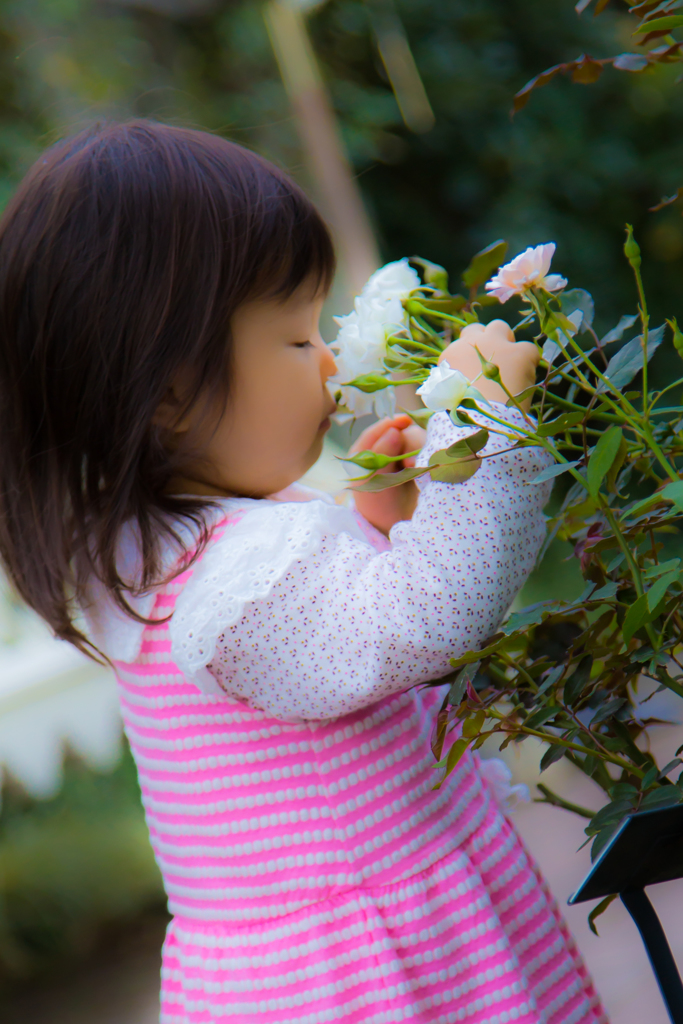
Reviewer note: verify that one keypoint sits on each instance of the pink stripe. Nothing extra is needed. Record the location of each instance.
(319, 876)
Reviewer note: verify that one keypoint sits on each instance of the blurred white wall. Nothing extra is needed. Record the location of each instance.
(52, 698)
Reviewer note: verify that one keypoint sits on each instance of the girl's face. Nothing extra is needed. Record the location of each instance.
(278, 409)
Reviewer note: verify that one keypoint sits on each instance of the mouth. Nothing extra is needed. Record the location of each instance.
(327, 422)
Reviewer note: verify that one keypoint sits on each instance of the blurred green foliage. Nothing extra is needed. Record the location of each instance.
(573, 167)
(70, 867)
(576, 164)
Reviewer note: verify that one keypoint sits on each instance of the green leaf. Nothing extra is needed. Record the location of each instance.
(637, 615)
(605, 593)
(530, 616)
(658, 570)
(674, 492)
(475, 442)
(383, 481)
(574, 686)
(421, 417)
(452, 305)
(665, 796)
(432, 273)
(616, 562)
(608, 710)
(459, 686)
(642, 506)
(456, 464)
(455, 754)
(602, 839)
(669, 767)
(617, 333)
(620, 459)
(624, 791)
(471, 727)
(504, 643)
(602, 457)
(459, 418)
(562, 423)
(554, 753)
(453, 472)
(552, 471)
(600, 909)
(551, 351)
(541, 717)
(657, 24)
(550, 679)
(611, 814)
(484, 263)
(650, 777)
(578, 298)
(623, 366)
(630, 62)
(659, 589)
(467, 447)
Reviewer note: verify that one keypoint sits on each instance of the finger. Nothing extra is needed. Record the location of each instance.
(499, 329)
(472, 334)
(390, 443)
(529, 351)
(371, 434)
(413, 437)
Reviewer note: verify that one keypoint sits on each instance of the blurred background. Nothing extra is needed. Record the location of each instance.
(395, 116)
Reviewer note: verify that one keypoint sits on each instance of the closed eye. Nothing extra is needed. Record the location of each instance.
(303, 344)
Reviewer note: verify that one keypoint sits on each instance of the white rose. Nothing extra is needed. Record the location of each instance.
(361, 346)
(526, 271)
(445, 388)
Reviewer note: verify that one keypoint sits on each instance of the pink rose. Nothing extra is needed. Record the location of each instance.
(528, 270)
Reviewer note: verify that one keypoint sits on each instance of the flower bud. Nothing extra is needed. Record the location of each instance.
(678, 336)
(631, 248)
(489, 370)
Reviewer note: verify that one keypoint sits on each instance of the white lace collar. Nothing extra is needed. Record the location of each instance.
(273, 533)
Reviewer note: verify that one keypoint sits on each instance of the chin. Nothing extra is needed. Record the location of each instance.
(314, 453)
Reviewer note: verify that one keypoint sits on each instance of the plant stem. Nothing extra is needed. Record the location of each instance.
(645, 320)
(562, 403)
(558, 801)
(558, 741)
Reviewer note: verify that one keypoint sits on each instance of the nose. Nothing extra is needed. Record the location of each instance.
(328, 367)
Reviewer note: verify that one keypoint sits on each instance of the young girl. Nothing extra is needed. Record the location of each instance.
(162, 383)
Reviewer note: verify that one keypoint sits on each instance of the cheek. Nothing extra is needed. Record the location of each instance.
(276, 411)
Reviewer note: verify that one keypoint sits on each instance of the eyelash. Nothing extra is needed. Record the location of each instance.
(303, 344)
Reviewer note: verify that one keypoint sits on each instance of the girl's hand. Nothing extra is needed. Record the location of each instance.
(390, 437)
(516, 360)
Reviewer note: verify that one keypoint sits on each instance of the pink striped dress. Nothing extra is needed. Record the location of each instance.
(313, 871)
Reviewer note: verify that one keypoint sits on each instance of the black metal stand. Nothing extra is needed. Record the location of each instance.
(647, 848)
(658, 951)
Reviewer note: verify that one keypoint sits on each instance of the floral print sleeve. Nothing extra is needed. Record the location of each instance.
(345, 624)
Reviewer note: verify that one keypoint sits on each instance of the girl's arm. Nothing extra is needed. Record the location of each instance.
(345, 625)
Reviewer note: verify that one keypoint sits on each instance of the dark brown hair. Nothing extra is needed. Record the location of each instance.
(123, 256)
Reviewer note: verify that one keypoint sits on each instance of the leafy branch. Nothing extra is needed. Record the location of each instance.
(575, 675)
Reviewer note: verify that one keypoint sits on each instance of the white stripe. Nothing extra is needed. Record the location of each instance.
(381, 993)
(261, 982)
(436, 802)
